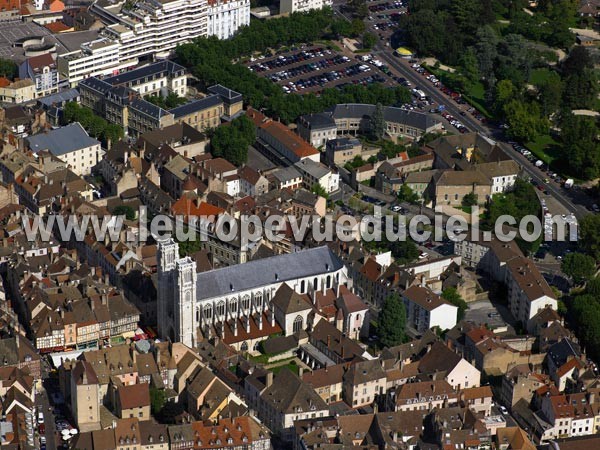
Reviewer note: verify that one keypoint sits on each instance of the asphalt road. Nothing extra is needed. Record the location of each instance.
(575, 205)
(574, 201)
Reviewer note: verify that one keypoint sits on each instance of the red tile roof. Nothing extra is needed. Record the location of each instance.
(134, 396)
(57, 27)
(41, 61)
(189, 206)
(289, 139)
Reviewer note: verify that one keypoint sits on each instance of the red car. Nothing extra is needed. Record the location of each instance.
(42, 429)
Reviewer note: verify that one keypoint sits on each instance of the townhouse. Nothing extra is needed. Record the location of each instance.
(364, 383)
(423, 396)
(425, 310)
(71, 144)
(315, 173)
(281, 401)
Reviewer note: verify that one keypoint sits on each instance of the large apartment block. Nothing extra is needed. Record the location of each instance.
(149, 30)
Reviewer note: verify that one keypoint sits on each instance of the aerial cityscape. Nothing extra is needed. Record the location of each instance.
(299, 224)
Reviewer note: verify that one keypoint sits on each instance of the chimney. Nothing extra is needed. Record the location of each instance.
(106, 279)
(269, 378)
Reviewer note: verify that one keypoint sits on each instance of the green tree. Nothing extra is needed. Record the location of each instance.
(231, 141)
(550, 93)
(579, 267)
(377, 122)
(369, 40)
(392, 321)
(406, 194)
(8, 69)
(469, 199)
(581, 90)
(404, 251)
(319, 190)
(158, 398)
(585, 310)
(504, 93)
(112, 132)
(486, 49)
(124, 210)
(579, 59)
(581, 149)
(525, 120)
(589, 235)
(96, 126)
(593, 287)
(357, 27)
(519, 202)
(451, 294)
(470, 65)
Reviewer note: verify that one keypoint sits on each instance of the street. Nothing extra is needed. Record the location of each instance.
(573, 200)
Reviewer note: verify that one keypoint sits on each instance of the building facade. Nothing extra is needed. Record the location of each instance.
(190, 303)
(225, 17)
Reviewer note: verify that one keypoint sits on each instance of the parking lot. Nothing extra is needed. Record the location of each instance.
(313, 68)
(495, 316)
(384, 16)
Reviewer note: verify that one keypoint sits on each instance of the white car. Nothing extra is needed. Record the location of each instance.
(503, 410)
(396, 208)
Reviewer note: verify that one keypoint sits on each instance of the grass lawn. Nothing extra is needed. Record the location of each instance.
(544, 147)
(291, 366)
(538, 76)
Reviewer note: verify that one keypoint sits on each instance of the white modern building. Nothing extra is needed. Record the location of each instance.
(225, 17)
(96, 58)
(149, 30)
(191, 304)
(528, 291)
(292, 6)
(71, 144)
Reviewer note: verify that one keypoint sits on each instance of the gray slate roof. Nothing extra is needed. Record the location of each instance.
(62, 140)
(262, 272)
(96, 84)
(227, 95)
(58, 98)
(391, 114)
(318, 121)
(197, 105)
(148, 109)
(158, 68)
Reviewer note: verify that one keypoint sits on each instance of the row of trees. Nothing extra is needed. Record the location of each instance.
(212, 61)
(584, 311)
(95, 125)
